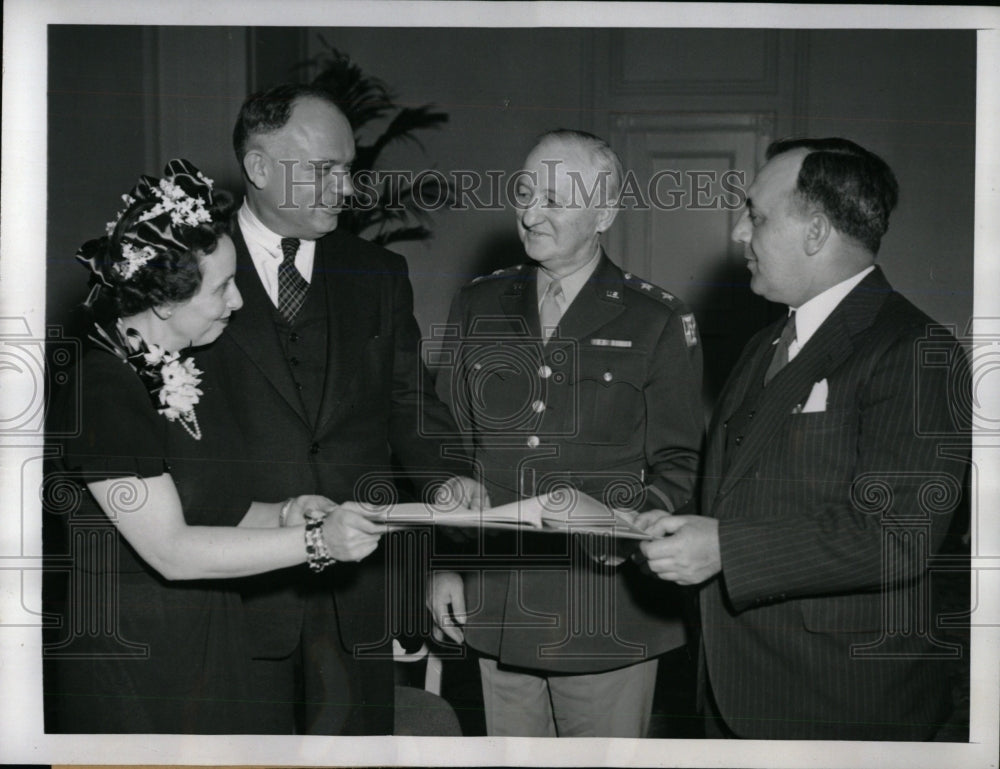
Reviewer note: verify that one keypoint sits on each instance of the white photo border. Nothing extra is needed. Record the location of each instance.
(22, 295)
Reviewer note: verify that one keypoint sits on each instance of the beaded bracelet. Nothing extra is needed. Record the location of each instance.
(317, 553)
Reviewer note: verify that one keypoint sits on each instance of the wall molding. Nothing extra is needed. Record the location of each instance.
(625, 83)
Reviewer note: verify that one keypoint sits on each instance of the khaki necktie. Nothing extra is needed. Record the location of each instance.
(550, 310)
(780, 359)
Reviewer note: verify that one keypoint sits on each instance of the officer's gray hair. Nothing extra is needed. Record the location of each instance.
(605, 159)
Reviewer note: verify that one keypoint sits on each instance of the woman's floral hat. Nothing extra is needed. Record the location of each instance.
(181, 200)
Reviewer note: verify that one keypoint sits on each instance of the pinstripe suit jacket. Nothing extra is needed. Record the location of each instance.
(818, 626)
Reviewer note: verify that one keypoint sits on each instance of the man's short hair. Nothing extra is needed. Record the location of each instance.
(268, 111)
(606, 160)
(855, 188)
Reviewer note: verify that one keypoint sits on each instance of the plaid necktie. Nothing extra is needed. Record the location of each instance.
(550, 310)
(780, 359)
(292, 287)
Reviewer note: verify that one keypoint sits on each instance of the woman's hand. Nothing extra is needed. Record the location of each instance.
(349, 535)
(299, 506)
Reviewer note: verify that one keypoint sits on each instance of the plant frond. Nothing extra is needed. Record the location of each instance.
(364, 158)
(401, 234)
(406, 121)
(364, 99)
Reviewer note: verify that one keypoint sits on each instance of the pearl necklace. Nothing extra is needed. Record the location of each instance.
(189, 421)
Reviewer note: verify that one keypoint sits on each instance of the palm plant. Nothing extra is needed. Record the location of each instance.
(394, 214)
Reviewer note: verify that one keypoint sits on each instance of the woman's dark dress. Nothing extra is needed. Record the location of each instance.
(135, 652)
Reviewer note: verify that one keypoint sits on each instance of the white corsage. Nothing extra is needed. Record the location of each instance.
(179, 393)
(172, 382)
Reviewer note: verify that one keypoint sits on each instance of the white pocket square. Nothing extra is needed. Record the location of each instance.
(816, 402)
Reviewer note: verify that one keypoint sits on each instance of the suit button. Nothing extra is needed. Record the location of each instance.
(739, 439)
(314, 449)
(608, 376)
(293, 337)
(725, 425)
(298, 386)
(294, 361)
(533, 442)
(538, 407)
(750, 415)
(544, 372)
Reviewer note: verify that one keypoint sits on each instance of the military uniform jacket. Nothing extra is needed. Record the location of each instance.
(610, 405)
(819, 625)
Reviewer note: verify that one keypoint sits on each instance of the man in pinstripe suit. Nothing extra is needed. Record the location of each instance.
(834, 464)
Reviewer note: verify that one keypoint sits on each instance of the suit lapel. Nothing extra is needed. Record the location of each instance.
(732, 396)
(252, 328)
(342, 343)
(746, 372)
(829, 347)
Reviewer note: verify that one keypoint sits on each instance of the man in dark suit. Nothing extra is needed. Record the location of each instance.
(833, 466)
(322, 368)
(569, 371)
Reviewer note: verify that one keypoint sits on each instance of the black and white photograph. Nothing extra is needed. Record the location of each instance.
(471, 383)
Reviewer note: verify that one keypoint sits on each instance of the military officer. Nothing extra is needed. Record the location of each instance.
(569, 371)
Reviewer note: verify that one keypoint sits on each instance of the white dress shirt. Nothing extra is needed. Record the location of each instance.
(810, 316)
(265, 251)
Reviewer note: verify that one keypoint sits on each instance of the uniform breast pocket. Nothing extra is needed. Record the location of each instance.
(609, 393)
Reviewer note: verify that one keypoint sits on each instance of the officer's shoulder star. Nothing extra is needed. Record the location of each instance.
(501, 273)
(645, 287)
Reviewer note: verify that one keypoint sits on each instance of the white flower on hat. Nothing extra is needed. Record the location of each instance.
(183, 208)
(134, 259)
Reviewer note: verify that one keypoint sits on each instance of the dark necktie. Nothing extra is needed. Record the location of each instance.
(292, 287)
(780, 359)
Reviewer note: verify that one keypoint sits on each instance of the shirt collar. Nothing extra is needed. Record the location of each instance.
(810, 316)
(255, 231)
(572, 283)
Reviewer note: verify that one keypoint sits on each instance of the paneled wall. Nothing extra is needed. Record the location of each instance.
(691, 101)
(501, 88)
(691, 112)
(98, 128)
(124, 99)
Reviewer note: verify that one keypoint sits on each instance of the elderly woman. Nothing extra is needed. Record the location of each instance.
(158, 455)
